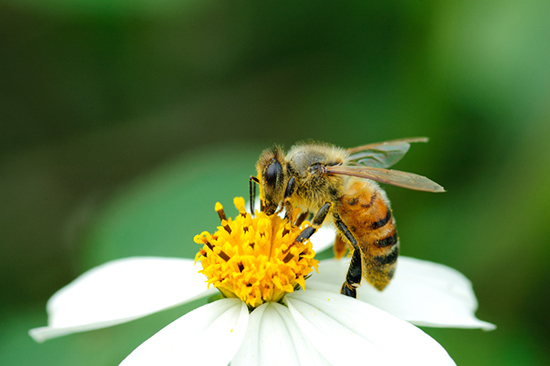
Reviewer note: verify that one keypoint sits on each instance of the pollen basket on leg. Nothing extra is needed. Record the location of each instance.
(255, 259)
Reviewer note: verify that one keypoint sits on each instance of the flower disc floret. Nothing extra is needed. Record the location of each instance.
(255, 259)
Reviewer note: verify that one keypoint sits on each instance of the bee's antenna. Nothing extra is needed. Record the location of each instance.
(252, 181)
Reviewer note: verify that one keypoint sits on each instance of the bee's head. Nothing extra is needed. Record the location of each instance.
(272, 174)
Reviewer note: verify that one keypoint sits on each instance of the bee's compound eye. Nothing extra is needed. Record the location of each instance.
(273, 171)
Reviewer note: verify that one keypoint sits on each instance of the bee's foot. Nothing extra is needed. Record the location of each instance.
(348, 292)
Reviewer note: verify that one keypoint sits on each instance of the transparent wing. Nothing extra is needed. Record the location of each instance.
(393, 177)
(382, 154)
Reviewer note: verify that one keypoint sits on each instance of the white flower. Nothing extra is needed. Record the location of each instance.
(317, 326)
(421, 292)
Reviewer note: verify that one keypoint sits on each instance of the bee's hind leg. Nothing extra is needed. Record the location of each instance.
(353, 277)
(355, 270)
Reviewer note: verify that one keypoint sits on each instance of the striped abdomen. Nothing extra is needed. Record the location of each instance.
(365, 210)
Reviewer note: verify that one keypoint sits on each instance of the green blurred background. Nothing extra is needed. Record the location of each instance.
(123, 122)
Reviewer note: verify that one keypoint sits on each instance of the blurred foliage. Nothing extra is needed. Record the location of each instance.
(123, 122)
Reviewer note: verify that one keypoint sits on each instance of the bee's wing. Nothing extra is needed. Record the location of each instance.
(394, 177)
(382, 154)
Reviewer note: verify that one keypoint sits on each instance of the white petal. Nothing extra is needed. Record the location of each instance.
(120, 291)
(273, 338)
(323, 238)
(344, 330)
(209, 335)
(422, 292)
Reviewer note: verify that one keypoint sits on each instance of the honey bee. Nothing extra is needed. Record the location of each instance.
(340, 185)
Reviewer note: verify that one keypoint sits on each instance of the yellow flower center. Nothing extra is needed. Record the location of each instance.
(255, 259)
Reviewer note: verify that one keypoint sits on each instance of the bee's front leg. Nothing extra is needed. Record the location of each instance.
(287, 204)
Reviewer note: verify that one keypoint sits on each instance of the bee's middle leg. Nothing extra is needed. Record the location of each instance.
(355, 270)
(315, 224)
